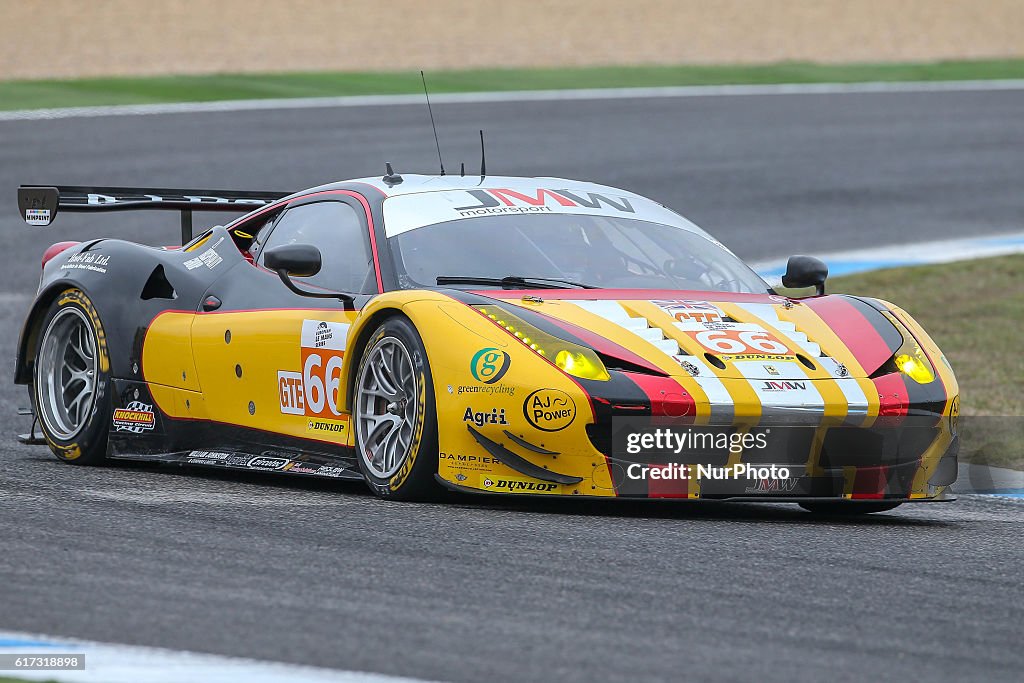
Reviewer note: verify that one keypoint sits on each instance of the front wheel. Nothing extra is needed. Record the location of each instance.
(395, 417)
(847, 508)
(71, 380)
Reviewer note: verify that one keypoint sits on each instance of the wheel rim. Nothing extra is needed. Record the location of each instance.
(66, 373)
(386, 404)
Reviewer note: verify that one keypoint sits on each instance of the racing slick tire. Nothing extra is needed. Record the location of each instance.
(395, 415)
(847, 508)
(70, 385)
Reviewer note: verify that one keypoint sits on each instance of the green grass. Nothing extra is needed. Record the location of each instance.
(974, 310)
(101, 91)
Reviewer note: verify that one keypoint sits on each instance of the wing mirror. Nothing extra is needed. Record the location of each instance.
(299, 260)
(805, 271)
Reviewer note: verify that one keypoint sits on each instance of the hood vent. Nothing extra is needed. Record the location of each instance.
(613, 312)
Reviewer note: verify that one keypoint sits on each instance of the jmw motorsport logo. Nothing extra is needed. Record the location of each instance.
(509, 201)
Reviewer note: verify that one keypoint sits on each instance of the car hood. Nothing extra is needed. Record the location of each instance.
(749, 336)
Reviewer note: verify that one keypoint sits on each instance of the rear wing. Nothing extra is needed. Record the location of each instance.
(39, 204)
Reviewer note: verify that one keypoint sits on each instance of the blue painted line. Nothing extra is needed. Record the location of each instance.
(769, 273)
(1002, 240)
(838, 268)
(899, 256)
(26, 643)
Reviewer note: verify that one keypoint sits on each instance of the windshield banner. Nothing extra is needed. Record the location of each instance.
(408, 212)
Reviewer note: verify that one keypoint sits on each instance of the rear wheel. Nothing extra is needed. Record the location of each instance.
(71, 380)
(847, 508)
(395, 417)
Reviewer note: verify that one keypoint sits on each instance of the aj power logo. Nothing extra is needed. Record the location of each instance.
(549, 410)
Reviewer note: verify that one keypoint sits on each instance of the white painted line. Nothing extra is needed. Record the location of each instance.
(109, 663)
(899, 255)
(514, 96)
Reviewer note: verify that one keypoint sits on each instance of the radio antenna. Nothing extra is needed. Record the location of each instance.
(434, 127)
(483, 157)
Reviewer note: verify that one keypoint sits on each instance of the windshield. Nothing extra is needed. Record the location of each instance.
(600, 251)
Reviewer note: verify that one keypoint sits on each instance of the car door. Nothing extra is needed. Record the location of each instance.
(269, 359)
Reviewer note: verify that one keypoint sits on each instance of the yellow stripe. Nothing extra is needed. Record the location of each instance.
(931, 457)
(808, 322)
(811, 324)
(929, 462)
(745, 399)
(836, 405)
(929, 346)
(638, 345)
(849, 479)
(199, 243)
(813, 463)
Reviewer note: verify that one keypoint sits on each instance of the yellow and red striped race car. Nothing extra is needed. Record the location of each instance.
(532, 336)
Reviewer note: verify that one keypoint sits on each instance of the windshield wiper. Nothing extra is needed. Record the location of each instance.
(511, 282)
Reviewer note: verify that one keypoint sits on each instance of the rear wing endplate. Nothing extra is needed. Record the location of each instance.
(39, 204)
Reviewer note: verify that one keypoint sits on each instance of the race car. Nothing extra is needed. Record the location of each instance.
(484, 334)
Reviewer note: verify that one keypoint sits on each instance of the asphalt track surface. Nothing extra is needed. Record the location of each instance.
(324, 574)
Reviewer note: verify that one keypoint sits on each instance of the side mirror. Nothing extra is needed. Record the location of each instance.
(805, 271)
(299, 260)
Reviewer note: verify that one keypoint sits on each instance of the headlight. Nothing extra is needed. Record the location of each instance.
(570, 358)
(915, 366)
(909, 358)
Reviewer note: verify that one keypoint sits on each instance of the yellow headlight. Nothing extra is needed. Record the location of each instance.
(570, 358)
(910, 359)
(579, 365)
(917, 369)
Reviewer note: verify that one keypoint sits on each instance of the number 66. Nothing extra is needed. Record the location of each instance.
(723, 341)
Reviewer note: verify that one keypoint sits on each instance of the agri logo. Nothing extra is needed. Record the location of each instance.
(489, 365)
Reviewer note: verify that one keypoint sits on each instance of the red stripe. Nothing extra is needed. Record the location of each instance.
(348, 193)
(599, 294)
(667, 397)
(934, 361)
(893, 399)
(870, 482)
(666, 488)
(604, 345)
(369, 185)
(369, 221)
(856, 331)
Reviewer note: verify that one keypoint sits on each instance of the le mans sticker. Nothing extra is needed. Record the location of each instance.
(313, 393)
